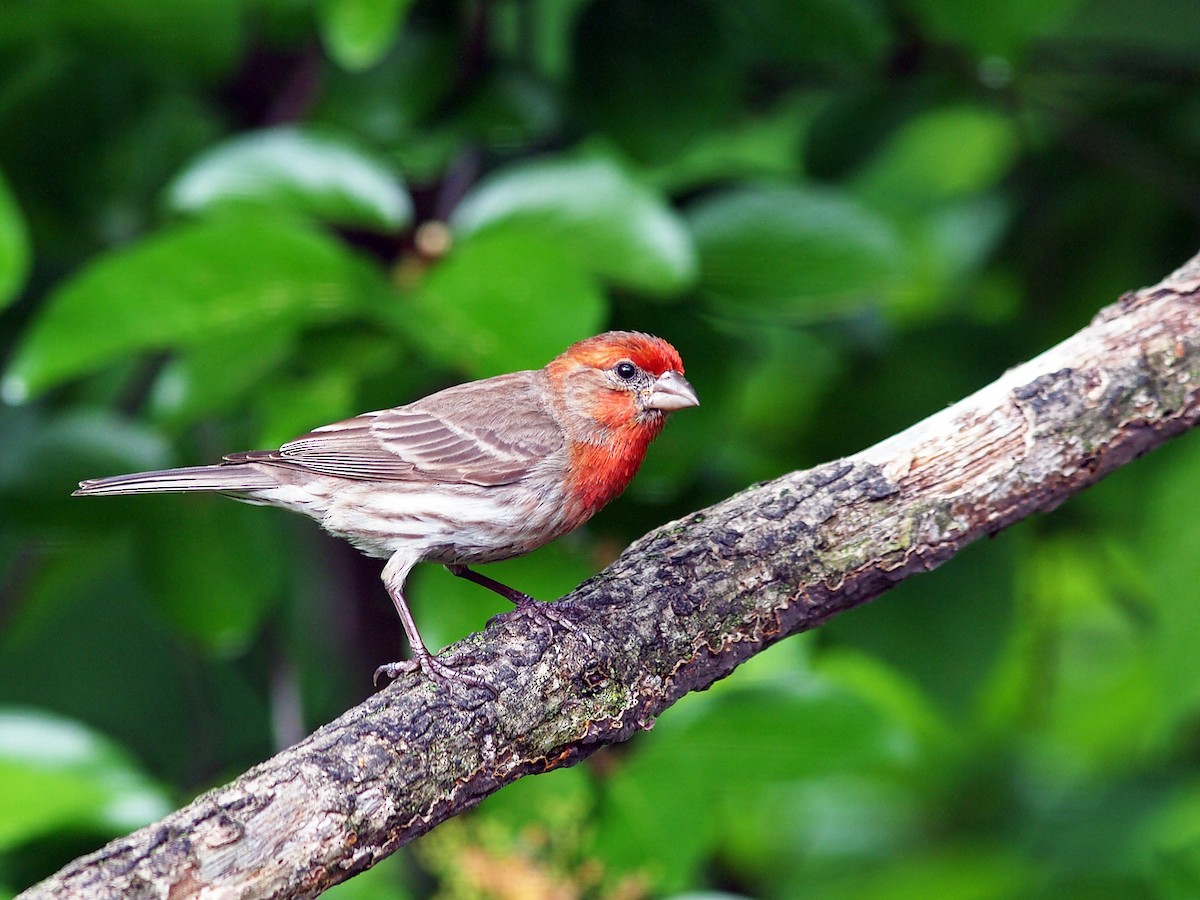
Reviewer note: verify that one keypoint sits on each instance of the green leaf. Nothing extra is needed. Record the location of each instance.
(292, 406)
(14, 246)
(1171, 836)
(963, 870)
(1078, 674)
(213, 376)
(948, 246)
(1003, 27)
(945, 631)
(761, 741)
(510, 111)
(215, 566)
(358, 33)
(654, 76)
(58, 775)
(190, 285)
(615, 227)
(841, 37)
(798, 251)
(46, 455)
(1162, 29)
(201, 37)
(394, 107)
(286, 168)
(940, 156)
(511, 297)
(1169, 553)
(993, 27)
(765, 146)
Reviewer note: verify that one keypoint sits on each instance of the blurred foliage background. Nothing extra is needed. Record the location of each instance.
(223, 222)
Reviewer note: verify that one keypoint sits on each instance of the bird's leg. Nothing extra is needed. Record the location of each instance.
(526, 605)
(522, 601)
(422, 658)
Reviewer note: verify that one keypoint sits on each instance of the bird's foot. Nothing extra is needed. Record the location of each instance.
(435, 669)
(548, 614)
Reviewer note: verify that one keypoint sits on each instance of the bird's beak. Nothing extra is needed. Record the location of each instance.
(670, 392)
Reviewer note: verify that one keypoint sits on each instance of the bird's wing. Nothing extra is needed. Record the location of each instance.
(485, 433)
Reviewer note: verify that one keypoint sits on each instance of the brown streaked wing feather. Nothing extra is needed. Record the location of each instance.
(486, 433)
(344, 449)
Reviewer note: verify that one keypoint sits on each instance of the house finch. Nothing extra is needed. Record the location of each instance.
(475, 473)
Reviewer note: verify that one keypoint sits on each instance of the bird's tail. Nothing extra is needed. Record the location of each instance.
(227, 478)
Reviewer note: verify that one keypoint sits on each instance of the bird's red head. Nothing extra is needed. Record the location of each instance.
(622, 379)
(615, 390)
(651, 354)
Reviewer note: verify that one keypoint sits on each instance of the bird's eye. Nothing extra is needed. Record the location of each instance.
(625, 370)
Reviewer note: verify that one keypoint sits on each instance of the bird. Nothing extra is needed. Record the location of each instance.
(475, 473)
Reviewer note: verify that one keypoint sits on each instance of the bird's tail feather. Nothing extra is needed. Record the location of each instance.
(229, 478)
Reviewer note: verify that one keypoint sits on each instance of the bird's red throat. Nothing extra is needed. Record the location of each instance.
(600, 472)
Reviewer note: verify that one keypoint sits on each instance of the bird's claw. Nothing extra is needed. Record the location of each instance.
(435, 669)
(393, 670)
(550, 614)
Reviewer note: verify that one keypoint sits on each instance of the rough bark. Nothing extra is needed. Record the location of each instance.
(680, 609)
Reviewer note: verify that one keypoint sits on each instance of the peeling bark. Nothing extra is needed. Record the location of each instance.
(680, 609)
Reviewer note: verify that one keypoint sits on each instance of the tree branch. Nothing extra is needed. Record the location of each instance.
(680, 609)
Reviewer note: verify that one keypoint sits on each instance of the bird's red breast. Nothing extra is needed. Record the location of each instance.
(600, 472)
